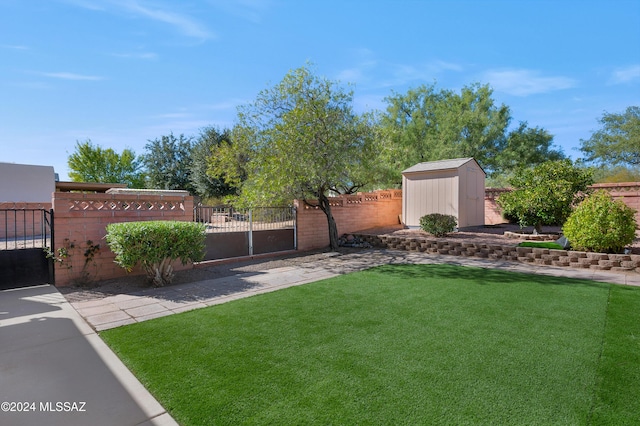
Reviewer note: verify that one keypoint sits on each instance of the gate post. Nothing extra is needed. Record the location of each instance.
(250, 232)
(52, 265)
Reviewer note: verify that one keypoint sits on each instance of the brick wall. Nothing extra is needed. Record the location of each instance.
(351, 212)
(629, 192)
(80, 218)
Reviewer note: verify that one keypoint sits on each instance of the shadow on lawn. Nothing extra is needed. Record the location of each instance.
(476, 274)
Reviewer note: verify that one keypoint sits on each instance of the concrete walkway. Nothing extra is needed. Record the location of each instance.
(55, 370)
(114, 311)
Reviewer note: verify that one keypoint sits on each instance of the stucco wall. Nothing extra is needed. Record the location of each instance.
(26, 183)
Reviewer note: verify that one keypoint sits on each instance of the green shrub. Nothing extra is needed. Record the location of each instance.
(601, 224)
(155, 244)
(438, 224)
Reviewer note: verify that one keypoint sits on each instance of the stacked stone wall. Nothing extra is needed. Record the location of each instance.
(511, 253)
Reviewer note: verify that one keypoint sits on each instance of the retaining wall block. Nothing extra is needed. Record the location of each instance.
(620, 257)
(523, 251)
(587, 262)
(576, 254)
(609, 263)
(598, 256)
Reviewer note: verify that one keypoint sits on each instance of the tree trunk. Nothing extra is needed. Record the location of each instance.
(331, 222)
(537, 229)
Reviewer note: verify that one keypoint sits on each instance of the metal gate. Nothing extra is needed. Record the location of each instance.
(245, 232)
(25, 237)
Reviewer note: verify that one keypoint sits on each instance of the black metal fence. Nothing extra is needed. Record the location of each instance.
(26, 228)
(25, 236)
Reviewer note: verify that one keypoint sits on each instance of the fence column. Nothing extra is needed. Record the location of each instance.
(250, 232)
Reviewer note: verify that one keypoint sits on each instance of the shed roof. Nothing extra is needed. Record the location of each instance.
(440, 165)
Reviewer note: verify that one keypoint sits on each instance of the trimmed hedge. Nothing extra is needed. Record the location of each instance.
(155, 244)
(438, 224)
(601, 224)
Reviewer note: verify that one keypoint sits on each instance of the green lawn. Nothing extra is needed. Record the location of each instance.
(400, 345)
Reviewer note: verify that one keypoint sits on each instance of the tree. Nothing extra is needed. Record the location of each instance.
(204, 148)
(168, 163)
(92, 163)
(527, 147)
(427, 125)
(545, 194)
(301, 139)
(523, 147)
(617, 142)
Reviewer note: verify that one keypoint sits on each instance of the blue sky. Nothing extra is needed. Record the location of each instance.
(123, 72)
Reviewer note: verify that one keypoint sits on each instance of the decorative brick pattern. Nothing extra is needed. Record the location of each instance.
(82, 217)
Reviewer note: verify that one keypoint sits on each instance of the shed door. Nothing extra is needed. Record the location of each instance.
(474, 199)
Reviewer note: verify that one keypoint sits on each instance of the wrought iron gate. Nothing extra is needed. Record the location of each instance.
(26, 235)
(245, 232)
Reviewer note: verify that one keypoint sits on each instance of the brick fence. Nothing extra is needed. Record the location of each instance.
(351, 213)
(80, 225)
(629, 192)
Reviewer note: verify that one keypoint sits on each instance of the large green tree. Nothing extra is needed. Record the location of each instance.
(617, 143)
(426, 124)
(168, 163)
(209, 186)
(545, 194)
(92, 163)
(301, 139)
(523, 147)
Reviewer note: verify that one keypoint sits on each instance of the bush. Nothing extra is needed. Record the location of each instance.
(438, 224)
(155, 244)
(601, 224)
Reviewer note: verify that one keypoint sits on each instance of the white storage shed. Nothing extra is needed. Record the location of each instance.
(453, 187)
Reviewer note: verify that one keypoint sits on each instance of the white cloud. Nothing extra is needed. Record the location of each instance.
(522, 82)
(394, 74)
(184, 23)
(71, 76)
(249, 10)
(625, 75)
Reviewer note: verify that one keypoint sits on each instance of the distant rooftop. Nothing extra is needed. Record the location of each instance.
(87, 186)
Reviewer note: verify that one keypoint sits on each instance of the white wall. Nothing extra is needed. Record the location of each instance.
(26, 183)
